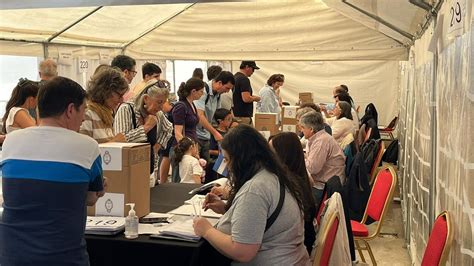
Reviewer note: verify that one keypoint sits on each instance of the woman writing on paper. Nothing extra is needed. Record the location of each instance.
(258, 183)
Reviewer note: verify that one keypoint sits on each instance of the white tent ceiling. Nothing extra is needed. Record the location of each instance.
(261, 30)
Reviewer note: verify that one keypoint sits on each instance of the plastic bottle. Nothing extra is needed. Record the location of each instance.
(131, 223)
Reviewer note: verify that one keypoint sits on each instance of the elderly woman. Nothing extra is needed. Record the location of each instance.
(341, 123)
(141, 121)
(261, 187)
(22, 99)
(325, 158)
(105, 89)
(270, 100)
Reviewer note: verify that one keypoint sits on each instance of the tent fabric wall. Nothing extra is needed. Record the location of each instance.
(455, 150)
(454, 143)
(420, 175)
(368, 81)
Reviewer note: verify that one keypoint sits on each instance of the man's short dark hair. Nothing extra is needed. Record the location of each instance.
(55, 96)
(213, 71)
(124, 62)
(150, 69)
(225, 77)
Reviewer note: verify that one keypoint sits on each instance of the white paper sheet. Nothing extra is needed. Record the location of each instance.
(188, 209)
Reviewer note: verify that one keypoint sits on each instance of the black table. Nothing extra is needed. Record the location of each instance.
(117, 250)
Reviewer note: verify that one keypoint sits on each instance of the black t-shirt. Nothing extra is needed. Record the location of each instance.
(242, 84)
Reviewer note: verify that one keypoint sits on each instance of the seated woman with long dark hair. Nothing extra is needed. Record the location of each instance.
(247, 232)
(287, 147)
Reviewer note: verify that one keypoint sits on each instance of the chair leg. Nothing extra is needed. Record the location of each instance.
(359, 249)
(371, 254)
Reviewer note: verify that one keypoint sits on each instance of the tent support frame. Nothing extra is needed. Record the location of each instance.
(381, 21)
(72, 24)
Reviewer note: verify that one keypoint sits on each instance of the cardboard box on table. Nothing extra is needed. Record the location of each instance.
(288, 119)
(126, 166)
(306, 97)
(267, 124)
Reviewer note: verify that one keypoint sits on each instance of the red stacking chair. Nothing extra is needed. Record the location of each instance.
(377, 205)
(388, 130)
(323, 252)
(439, 243)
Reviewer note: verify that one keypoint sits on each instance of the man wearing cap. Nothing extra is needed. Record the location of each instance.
(242, 95)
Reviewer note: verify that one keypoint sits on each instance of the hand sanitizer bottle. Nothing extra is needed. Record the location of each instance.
(131, 223)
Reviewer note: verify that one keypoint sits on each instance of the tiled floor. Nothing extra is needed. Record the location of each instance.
(389, 248)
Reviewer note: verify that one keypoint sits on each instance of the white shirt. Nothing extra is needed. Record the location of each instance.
(11, 119)
(188, 167)
(341, 128)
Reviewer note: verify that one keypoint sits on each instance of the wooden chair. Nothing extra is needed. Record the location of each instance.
(324, 250)
(377, 205)
(439, 243)
(388, 130)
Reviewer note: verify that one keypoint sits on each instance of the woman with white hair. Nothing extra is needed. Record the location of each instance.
(325, 158)
(142, 121)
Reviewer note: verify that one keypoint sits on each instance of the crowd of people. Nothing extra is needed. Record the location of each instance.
(54, 159)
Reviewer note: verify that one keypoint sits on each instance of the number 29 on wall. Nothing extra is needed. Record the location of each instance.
(456, 17)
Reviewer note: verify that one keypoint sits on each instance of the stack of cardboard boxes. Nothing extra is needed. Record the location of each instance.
(126, 166)
(267, 124)
(306, 97)
(288, 119)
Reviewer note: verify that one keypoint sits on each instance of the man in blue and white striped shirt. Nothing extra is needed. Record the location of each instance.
(50, 173)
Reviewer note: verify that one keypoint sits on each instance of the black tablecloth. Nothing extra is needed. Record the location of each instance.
(117, 250)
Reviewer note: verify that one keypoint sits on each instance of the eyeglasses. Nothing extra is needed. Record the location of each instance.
(133, 72)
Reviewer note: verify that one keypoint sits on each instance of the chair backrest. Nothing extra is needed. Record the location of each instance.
(378, 159)
(321, 207)
(439, 243)
(323, 252)
(393, 123)
(368, 133)
(381, 195)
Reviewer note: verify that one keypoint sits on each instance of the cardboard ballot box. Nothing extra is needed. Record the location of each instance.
(266, 123)
(126, 166)
(306, 97)
(288, 119)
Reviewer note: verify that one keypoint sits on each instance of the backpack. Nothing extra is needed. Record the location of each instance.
(208, 95)
(391, 153)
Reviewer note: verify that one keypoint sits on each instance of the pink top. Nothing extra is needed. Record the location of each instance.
(325, 159)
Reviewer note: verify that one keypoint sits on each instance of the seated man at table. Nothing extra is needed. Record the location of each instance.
(50, 172)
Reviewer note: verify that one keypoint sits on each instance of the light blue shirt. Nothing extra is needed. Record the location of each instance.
(269, 102)
(209, 109)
